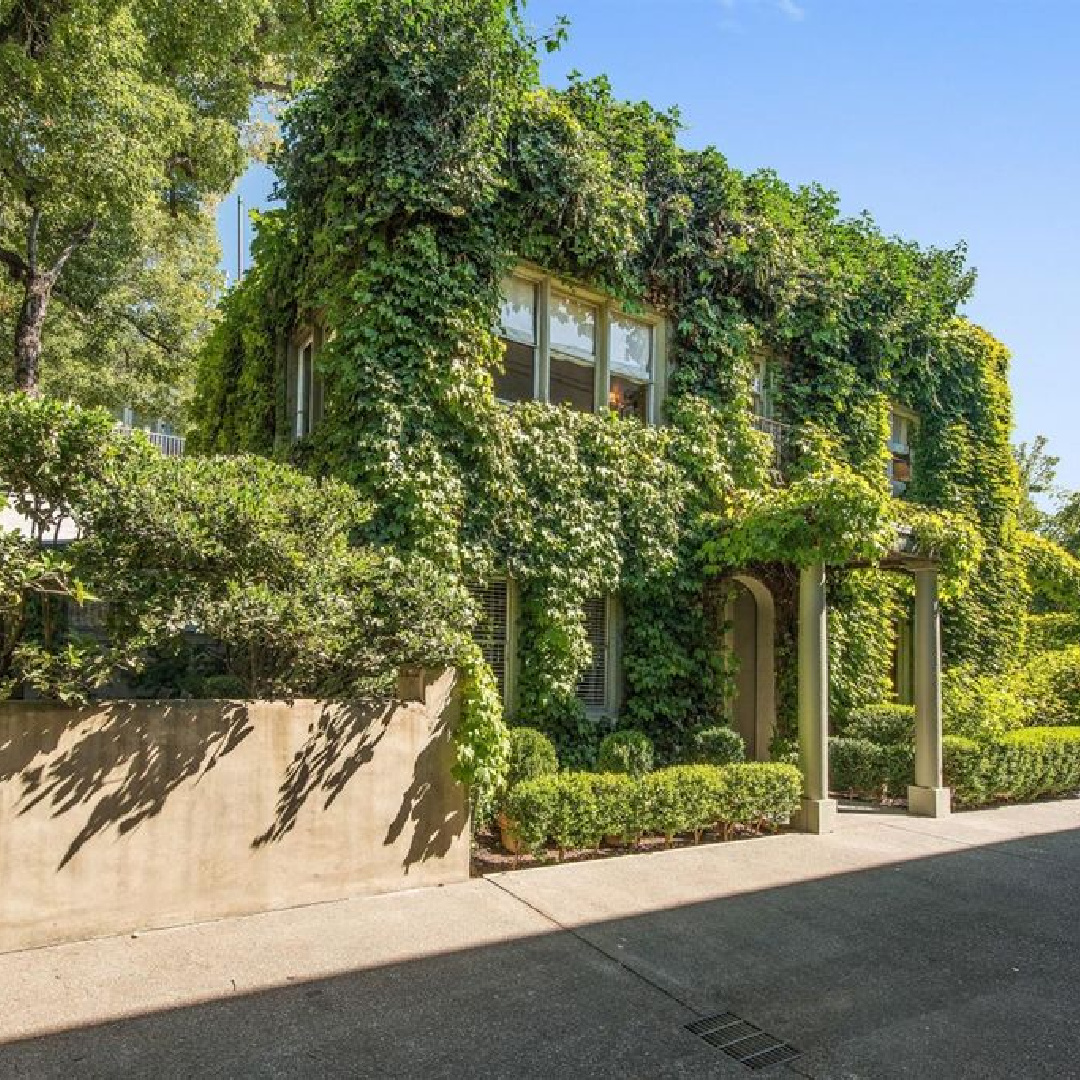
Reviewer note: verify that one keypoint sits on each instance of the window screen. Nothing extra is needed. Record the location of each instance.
(592, 689)
(490, 632)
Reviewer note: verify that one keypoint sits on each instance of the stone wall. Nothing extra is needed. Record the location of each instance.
(131, 815)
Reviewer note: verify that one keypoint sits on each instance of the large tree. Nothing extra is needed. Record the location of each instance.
(117, 118)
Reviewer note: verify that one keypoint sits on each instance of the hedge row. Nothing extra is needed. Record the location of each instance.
(578, 810)
(1021, 765)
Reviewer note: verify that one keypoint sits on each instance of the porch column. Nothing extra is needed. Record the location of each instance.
(928, 797)
(818, 812)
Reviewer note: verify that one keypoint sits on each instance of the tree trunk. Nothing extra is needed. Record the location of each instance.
(37, 291)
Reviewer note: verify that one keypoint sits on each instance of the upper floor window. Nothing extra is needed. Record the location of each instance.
(572, 337)
(901, 426)
(765, 388)
(305, 373)
(570, 346)
(630, 359)
(517, 380)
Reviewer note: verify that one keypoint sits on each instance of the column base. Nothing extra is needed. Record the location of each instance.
(932, 802)
(816, 816)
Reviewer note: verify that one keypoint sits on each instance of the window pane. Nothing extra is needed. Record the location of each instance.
(592, 689)
(574, 384)
(490, 632)
(515, 382)
(629, 398)
(899, 434)
(519, 310)
(631, 347)
(573, 327)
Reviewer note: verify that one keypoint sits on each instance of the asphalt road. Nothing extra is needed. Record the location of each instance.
(893, 948)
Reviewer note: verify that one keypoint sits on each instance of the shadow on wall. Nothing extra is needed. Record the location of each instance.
(124, 766)
(425, 803)
(340, 743)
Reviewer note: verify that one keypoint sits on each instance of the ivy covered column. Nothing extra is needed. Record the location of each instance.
(818, 812)
(928, 797)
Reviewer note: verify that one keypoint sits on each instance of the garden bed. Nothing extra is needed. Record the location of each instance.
(490, 857)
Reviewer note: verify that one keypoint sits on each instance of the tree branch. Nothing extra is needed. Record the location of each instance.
(82, 234)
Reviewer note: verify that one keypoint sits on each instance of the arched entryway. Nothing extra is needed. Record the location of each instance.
(751, 636)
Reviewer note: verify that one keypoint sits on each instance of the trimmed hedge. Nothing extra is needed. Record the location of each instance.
(869, 769)
(625, 752)
(1021, 765)
(576, 810)
(886, 725)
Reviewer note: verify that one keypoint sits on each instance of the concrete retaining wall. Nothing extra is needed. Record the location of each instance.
(132, 815)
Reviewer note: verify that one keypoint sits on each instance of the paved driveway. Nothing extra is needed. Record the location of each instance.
(893, 948)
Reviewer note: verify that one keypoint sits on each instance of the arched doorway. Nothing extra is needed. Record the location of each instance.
(752, 622)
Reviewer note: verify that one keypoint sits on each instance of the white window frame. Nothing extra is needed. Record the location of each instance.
(910, 421)
(545, 284)
(304, 380)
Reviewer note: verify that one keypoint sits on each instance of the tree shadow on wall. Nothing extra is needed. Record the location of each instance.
(123, 765)
(340, 743)
(433, 802)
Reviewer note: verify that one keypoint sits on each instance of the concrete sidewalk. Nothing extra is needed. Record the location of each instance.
(895, 947)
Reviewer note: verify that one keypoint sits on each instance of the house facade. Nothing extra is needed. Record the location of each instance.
(699, 447)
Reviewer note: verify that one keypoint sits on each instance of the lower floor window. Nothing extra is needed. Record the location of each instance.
(594, 689)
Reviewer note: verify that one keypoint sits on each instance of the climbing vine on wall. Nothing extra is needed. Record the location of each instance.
(426, 163)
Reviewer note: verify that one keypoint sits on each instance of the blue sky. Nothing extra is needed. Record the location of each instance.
(947, 119)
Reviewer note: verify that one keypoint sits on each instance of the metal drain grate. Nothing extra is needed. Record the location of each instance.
(743, 1041)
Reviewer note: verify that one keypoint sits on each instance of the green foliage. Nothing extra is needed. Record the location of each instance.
(428, 162)
(869, 769)
(625, 752)
(1052, 571)
(575, 810)
(1036, 762)
(118, 122)
(887, 725)
(980, 705)
(261, 558)
(1051, 687)
(532, 754)
(758, 793)
(964, 765)
(717, 746)
(1050, 631)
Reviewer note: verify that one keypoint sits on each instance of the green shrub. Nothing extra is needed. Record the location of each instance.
(532, 754)
(979, 706)
(758, 793)
(616, 796)
(717, 746)
(886, 724)
(897, 769)
(1036, 761)
(855, 767)
(665, 799)
(575, 818)
(1052, 630)
(625, 752)
(1051, 688)
(531, 805)
(965, 764)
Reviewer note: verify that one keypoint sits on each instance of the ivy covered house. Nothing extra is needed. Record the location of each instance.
(699, 448)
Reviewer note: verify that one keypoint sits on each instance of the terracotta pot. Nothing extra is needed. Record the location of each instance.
(508, 834)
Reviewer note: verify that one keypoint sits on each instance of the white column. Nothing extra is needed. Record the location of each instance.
(928, 797)
(818, 812)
